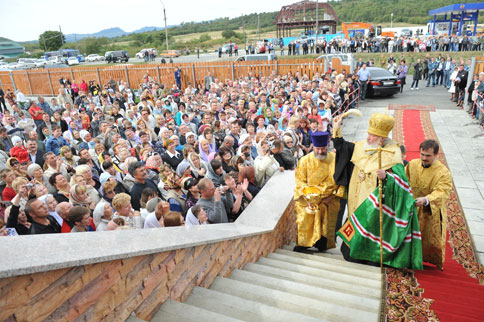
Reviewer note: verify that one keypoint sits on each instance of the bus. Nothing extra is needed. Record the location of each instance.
(65, 54)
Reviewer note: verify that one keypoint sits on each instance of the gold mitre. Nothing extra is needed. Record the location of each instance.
(381, 124)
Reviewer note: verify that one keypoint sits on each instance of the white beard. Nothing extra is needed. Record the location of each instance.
(370, 146)
(320, 157)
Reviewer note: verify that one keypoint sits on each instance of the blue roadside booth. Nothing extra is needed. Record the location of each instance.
(457, 14)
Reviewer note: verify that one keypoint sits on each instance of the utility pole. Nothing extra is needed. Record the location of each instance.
(75, 38)
(317, 20)
(62, 36)
(45, 46)
(258, 24)
(166, 29)
(391, 20)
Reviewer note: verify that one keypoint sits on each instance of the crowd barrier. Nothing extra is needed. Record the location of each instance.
(46, 81)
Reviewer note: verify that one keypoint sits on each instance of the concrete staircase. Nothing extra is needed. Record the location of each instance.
(285, 286)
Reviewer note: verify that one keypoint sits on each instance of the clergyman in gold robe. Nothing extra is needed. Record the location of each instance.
(359, 169)
(316, 170)
(431, 184)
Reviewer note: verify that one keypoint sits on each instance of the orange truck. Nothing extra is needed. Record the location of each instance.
(376, 30)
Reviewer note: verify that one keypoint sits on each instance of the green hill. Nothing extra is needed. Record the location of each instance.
(378, 11)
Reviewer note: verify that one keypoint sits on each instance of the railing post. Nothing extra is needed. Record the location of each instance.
(13, 82)
(233, 71)
(28, 80)
(50, 83)
(72, 75)
(158, 73)
(127, 75)
(277, 71)
(98, 77)
(193, 76)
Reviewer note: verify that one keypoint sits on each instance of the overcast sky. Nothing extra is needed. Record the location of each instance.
(24, 20)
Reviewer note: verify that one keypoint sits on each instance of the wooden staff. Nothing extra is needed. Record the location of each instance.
(380, 149)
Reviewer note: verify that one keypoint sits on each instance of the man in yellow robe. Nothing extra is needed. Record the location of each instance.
(431, 183)
(316, 170)
(358, 169)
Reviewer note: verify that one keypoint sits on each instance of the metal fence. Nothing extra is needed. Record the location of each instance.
(46, 81)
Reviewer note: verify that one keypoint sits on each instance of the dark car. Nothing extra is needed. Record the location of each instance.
(382, 82)
(116, 56)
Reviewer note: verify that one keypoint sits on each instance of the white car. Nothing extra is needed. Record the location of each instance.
(72, 61)
(94, 57)
(40, 63)
(141, 53)
(54, 60)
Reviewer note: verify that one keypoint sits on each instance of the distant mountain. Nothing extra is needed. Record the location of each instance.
(111, 33)
(146, 29)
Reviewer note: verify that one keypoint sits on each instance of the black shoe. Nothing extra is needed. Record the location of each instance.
(302, 249)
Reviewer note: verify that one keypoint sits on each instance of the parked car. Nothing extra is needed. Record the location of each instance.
(382, 82)
(116, 56)
(141, 53)
(94, 57)
(55, 60)
(170, 53)
(72, 61)
(40, 63)
(258, 57)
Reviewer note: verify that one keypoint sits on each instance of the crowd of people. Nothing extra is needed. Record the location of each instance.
(418, 43)
(104, 156)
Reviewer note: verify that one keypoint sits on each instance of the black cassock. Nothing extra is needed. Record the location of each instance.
(342, 175)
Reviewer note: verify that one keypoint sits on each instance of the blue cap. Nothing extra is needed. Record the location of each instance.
(320, 139)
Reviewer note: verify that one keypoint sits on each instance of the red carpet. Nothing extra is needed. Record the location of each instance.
(458, 297)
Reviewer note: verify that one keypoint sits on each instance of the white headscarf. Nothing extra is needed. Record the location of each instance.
(98, 213)
(151, 221)
(52, 213)
(192, 220)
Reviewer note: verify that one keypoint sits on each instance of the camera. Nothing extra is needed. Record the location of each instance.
(29, 185)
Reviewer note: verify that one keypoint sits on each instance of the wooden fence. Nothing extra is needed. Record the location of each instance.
(46, 81)
(479, 65)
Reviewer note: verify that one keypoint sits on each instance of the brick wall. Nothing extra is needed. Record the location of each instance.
(111, 290)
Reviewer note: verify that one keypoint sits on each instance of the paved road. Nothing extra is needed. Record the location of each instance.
(205, 57)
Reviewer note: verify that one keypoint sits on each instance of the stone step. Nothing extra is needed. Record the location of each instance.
(295, 303)
(331, 255)
(324, 294)
(173, 311)
(320, 281)
(241, 308)
(333, 251)
(318, 272)
(330, 260)
(133, 318)
(327, 265)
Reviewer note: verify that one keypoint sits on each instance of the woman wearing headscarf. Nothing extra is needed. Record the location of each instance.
(196, 216)
(14, 165)
(183, 170)
(102, 215)
(197, 165)
(87, 142)
(79, 197)
(51, 203)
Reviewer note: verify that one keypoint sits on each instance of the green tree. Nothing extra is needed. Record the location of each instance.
(205, 37)
(227, 34)
(51, 40)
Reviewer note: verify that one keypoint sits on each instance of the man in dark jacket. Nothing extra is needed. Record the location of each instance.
(461, 84)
